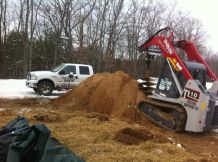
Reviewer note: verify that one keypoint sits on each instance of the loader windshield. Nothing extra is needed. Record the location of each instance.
(166, 85)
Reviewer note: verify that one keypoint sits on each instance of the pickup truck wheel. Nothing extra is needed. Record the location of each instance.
(45, 88)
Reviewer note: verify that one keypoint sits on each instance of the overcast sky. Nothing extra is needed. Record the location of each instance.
(207, 12)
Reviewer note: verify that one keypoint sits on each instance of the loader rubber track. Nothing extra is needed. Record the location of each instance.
(169, 116)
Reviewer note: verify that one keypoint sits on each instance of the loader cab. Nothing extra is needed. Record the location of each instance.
(166, 85)
(198, 71)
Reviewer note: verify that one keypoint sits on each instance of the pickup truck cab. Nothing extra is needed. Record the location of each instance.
(64, 76)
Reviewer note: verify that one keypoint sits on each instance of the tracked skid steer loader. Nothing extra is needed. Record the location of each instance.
(180, 100)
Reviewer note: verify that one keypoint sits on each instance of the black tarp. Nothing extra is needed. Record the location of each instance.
(20, 142)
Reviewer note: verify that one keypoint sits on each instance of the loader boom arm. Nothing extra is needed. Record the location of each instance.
(165, 43)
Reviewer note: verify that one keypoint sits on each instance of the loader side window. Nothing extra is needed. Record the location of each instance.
(199, 74)
(198, 71)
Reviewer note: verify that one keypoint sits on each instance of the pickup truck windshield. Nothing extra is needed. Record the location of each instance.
(57, 68)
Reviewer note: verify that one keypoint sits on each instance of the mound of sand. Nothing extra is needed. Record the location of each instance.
(115, 94)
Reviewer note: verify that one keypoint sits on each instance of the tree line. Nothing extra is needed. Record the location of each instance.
(40, 34)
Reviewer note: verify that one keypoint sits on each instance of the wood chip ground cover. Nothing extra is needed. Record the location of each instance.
(94, 139)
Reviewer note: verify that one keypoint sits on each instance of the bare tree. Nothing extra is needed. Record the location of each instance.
(96, 32)
(34, 9)
(113, 32)
(3, 33)
(104, 33)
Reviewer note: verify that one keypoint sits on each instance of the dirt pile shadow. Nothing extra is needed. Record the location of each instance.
(116, 94)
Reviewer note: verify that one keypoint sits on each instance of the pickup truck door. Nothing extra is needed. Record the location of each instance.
(64, 74)
(84, 72)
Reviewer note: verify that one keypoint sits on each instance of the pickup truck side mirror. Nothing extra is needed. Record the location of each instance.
(71, 75)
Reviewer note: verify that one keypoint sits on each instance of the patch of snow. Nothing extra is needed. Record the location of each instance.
(16, 88)
(209, 85)
(179, 145)
(216, 131)
(141, 81)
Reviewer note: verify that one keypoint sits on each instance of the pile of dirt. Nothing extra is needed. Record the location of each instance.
(114, 94)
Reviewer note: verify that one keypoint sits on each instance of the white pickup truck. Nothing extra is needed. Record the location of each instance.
(64, 76)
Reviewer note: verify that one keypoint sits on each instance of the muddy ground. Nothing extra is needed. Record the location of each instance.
(99, 137)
